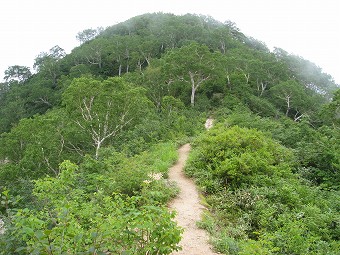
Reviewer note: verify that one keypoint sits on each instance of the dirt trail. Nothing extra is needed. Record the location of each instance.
(209, 123)
(187, 204)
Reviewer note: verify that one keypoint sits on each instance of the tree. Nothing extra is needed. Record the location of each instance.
(4, 87)
(307, 73)
(88, 34)
(37, 145)
(14, 75)
(12, 106)
(149, 49)
(330, 112)
(17, 73)
(221, 38)
(47, 63)
(192, 64)
(102, 109)
(294, 97)
(155, 82)
(93, 52)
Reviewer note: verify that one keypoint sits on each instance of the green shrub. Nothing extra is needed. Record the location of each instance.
(157, 190)
(70, 222)
(233, 156)
(258, 204)
(119, 173)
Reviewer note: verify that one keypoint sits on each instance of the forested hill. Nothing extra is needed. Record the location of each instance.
(93, 127)
(237, 64)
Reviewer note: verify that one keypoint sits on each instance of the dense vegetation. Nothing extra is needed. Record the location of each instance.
(258, 204)
(86, 142)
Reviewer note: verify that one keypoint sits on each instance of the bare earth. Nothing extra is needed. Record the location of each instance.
(209, 123)
(187, 204)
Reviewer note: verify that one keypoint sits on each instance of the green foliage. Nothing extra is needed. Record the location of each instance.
(17, 74)
(27, 98)
(291, 97)
(257, 189)
(244, 65)
(86, 207)
(319, 156)
(102, 109)
(157, 190)
(315, 150)
(330, 113)
(261, 106)
(71, 223)
(37, 145)
(233, 156)
(116, 172)
(195, 69)
(263, 208)
(7, 201)
(308, 73)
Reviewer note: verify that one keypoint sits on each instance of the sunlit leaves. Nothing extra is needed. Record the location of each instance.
(70, 221)
(234, 156)
(102, 109)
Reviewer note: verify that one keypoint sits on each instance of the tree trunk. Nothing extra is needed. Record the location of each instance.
(261, 87)
(120, 70)
(247, 77)
(223, 47)
(100, 64)
(192, 99)
(139, 64)
(193, 88)
(98, 145)
(297, 117)
(228, 81)
(288, 104)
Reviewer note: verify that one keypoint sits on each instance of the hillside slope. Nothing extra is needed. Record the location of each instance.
(96, 131)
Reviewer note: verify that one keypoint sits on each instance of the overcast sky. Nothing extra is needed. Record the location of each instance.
(308, 28)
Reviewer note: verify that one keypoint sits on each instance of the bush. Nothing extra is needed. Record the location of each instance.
(71, 222)
(119, 173)
(232, 157)
(157, 190)
(259, 206)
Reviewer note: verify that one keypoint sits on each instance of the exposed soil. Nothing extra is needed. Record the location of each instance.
(187, 204)
(209, 123)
